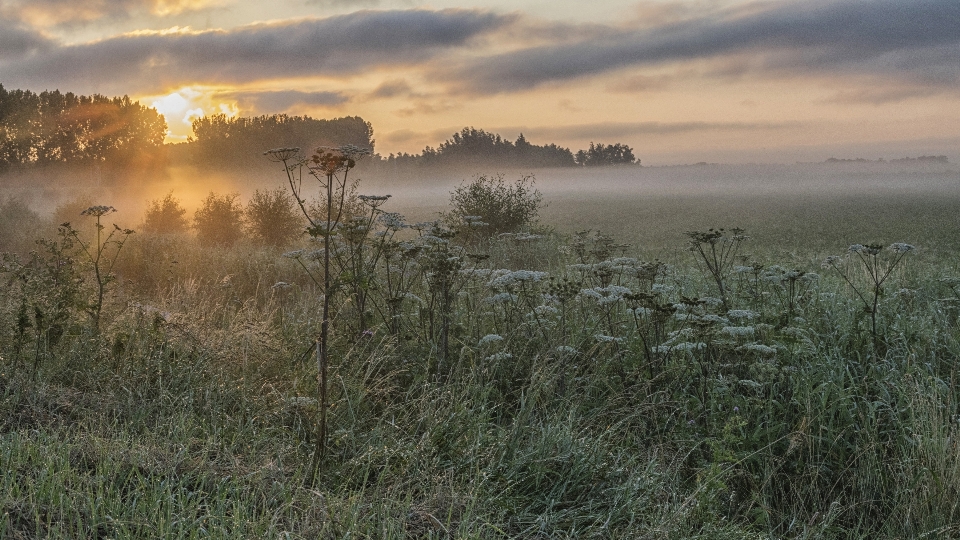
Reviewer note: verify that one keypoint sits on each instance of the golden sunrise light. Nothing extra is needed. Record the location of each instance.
(182, 107)
(480, 269)
(770, 81)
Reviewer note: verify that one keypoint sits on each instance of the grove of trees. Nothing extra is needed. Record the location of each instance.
(473, 146)
(54, 127)
(602, 154)
(219, 140)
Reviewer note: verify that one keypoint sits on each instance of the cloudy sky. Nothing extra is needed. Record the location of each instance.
(678, 80)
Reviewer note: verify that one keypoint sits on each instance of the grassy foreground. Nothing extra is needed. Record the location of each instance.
(528, 386)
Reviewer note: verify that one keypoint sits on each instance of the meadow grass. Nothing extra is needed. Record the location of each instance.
(619, 400)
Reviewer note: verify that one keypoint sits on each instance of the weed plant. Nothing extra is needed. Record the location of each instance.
(526, 386)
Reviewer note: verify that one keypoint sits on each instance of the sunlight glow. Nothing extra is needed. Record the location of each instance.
(181, 107)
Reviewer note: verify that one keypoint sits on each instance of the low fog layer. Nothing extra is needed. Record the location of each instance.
(651, 207)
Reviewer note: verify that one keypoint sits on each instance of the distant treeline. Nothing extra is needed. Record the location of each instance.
(473, 146)
(919, 159)
(222, 141)
(53, 127)
(66, 128)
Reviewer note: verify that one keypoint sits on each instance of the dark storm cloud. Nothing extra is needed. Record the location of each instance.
(284, 100)
(331, 46)
(919, 37)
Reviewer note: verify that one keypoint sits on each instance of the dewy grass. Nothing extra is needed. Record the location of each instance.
(472, 394)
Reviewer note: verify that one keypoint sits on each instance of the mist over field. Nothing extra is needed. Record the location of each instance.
(804, 207)
(638, 269)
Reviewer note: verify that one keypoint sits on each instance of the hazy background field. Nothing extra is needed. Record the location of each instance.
(802, 209)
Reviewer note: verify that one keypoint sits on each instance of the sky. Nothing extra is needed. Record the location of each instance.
(680, 81)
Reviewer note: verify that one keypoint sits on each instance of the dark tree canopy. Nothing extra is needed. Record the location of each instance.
(219, 140)
(54, 127)
(602, 154)
(475, 146)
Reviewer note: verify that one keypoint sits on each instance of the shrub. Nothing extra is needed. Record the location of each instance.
(501, 206)
(18, 224)
(219, 220)
(165, 216)
(273, 218)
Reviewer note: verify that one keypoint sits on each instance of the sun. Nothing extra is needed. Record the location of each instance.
(182, 106)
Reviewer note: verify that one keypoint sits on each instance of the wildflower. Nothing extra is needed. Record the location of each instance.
(741, 314)
(565, 349)
(685, 346)
(901, 248)
(738, 331)
(294, 254)
(711, 318)
(282, 154)
(392, 220)
(762, 350)
(500, 298)
(518, 276)
(367, 333)
(610, 294)
(489, 338)
(301, 401)
(871, 249)
(711, 301)
(607, 339)
(280, 285)
(374, 201)
(97, 211)
(544, 310)
(498, 356)
(736, 409)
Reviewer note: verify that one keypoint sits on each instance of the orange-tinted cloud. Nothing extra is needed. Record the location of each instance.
(330, 47)
(46, 13)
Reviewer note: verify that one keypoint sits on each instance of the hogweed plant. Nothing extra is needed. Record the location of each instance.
(876, 265)
(330, 168)
(717, 249)
(102, 253)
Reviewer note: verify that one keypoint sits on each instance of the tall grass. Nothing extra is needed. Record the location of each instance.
(476, 397)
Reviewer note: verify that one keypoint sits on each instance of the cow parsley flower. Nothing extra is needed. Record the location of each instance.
(489, 338)
(900, 247)
(738, 331)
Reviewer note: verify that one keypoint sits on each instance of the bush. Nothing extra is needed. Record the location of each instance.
(18, 225)
(219, 220)
(165, 216)
(273, 218)
(503, 207)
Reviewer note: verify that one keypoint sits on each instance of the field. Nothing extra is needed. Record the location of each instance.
(650, 378)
